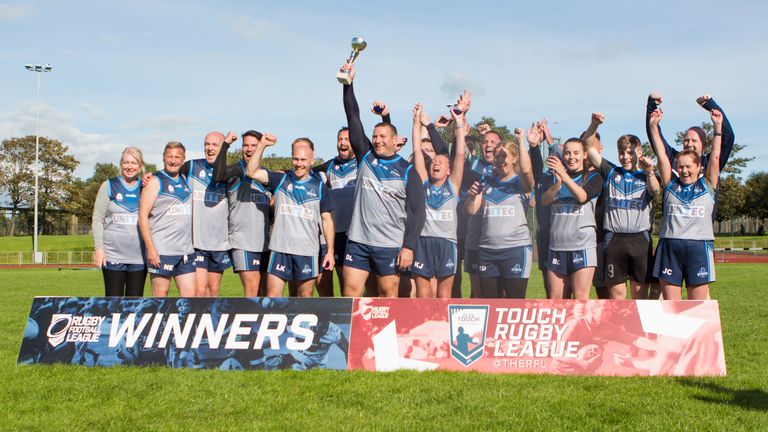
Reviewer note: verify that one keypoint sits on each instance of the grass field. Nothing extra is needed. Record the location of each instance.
(85, 243)
(77, 398)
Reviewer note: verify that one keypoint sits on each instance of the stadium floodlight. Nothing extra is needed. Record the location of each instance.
(37, 258)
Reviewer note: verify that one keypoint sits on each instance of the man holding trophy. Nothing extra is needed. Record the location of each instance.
(389, 201)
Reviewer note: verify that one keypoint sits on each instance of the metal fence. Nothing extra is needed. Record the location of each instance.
(53, 257)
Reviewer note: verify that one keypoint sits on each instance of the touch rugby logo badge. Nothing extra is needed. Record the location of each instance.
(468, 324)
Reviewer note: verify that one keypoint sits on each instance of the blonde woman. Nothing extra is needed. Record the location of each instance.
(119, 250)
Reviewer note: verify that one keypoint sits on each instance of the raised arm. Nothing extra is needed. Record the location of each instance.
(589, 137)
(254, 169)
(665, 165)
(146, 202)
(651, 181)
(728, 137)
(547, 132)
(535, 136)
(654, 100)
(418, 157)
(357, 139)
(458, 160)
(221, 171)
(713, 167)
(526, 174)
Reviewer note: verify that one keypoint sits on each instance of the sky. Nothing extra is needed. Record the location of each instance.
(142, 73)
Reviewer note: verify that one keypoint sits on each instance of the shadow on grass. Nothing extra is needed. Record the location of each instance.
(749, 399)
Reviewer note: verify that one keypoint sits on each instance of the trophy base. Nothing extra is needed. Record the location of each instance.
(344, 78)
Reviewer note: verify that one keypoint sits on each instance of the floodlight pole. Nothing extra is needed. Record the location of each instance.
(38, 69)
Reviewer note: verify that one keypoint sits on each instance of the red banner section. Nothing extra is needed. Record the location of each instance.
(592, 337)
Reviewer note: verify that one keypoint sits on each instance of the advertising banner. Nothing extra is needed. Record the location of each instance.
(211, 333)
(592, 337)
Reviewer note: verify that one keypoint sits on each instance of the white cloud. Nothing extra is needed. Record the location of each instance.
(92, 110)
(14, 13)
(86, 147)
(251, 29)
(455, 83)
(111, 39)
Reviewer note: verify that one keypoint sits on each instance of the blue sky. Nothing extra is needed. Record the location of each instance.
(143, 73)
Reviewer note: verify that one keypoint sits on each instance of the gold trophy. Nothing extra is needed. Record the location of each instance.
(358, 44)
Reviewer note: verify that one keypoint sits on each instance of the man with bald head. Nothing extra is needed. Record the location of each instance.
(210, 209)
(302, 205)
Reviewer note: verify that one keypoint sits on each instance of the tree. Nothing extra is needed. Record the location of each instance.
(474, 136)
(83, 193)
(18, 156)
(271, 162)
(756, 195)
(731, 196)
(735, 164)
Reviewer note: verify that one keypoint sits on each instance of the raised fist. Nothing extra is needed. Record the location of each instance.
(231, 137)
(701, 100)
(656, 97)
(717, 118)
(268, 139)
(598, 118)
(645, 163)
(655, 117)
(483, 128)
(380, 108)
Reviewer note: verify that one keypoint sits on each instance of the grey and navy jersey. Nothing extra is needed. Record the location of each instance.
(248, 213)
(171, 217)
(122, 240)
(572, 224)
(298, 208)
(209, 208)
(503, 213)
(688, 211)
(441, 220)
(628, 205)
(379, 215)
(342, 178)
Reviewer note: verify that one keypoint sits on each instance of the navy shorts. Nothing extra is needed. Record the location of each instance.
(689, 260)
(511, 263)
(243, 260)
(568, 262)
(340, 245)
(213, 261)
(292, 267)
(114, 266)
(323, 251)
(379, 260)
(173, 265)
(470, 261)
(434, 257)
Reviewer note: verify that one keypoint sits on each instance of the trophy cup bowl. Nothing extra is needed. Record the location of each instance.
(358, 45)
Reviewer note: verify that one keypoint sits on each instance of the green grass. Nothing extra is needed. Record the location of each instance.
(127, 398)
(47, 243)
(85, 243)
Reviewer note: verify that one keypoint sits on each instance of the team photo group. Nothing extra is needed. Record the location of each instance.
(397, 220)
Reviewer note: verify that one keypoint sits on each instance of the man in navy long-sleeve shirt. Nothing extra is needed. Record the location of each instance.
(389, 206)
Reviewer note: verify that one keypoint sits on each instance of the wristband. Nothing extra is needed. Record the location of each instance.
(717, 134)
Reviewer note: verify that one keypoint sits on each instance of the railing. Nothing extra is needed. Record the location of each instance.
(49, 257)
